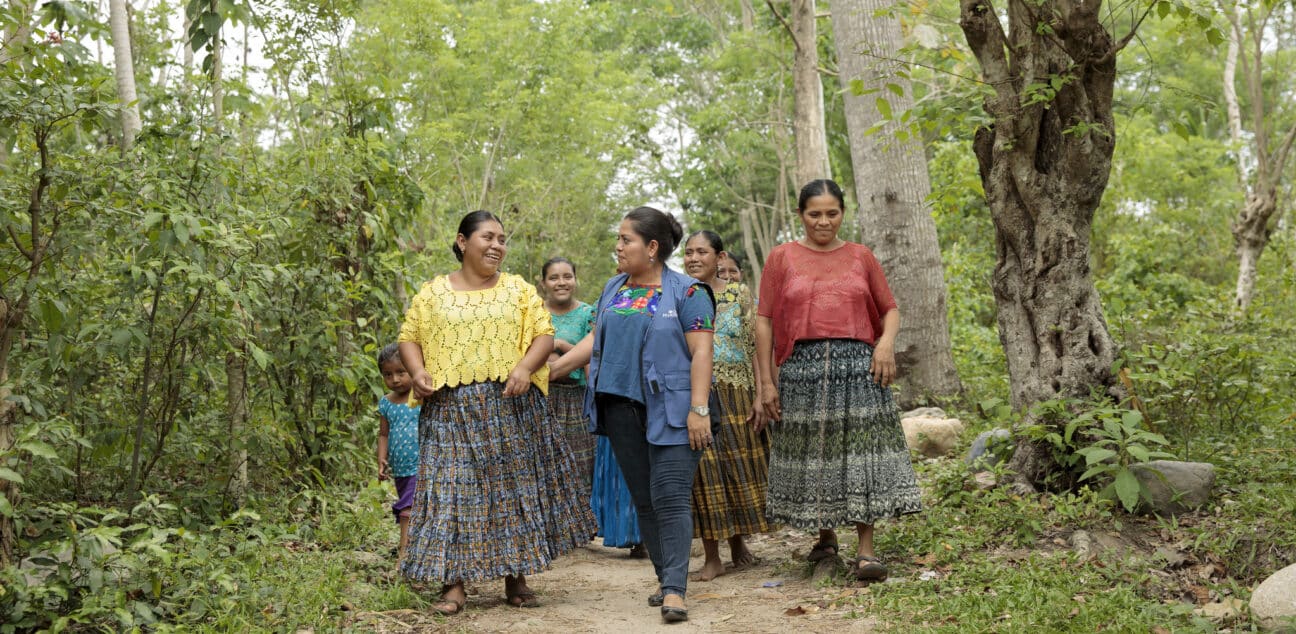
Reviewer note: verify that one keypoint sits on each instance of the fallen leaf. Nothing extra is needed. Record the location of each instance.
(947, 546)
(797, 611)
(925, 560)
(730, 616)
(1079, 598)
(1157, 629)
(706, 596)
(1074, 612)
(1200, 594)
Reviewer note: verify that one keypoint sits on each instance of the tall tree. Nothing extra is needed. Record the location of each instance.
(807, 96)
(124, 70)
(1258, 33)
(1044, 164)
(892, 186)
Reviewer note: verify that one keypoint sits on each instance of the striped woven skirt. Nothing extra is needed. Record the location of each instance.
(567, 409)
(498, 490)
(618, 520)
(839, 454)
(730, 487)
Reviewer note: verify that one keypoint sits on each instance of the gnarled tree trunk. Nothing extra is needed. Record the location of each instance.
(892, 186)
(1044, 164)
(1261, 169)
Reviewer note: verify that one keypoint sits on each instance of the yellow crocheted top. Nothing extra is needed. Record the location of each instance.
(473, 336)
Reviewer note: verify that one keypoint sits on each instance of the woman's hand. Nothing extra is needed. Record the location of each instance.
(519, 381)
(422, 384)
(699, 431)
(382, 470)
(757, 418)
(769, 402)
(562, 347)
(884, 364)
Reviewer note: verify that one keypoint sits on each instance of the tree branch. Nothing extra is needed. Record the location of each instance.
(985, 36)
(786, 24)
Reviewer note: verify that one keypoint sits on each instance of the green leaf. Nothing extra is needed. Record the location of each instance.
(6, 509)
(39, 449)
(211, 22)
(1138, 452)
(1095, 454)
(1132, 418)
(884, 108)
(9, 474)
(1214, 36)
(1093, 471)
(1127, 489)
(260, 356)
(896, 89)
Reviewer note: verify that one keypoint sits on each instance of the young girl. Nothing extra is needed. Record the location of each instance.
(398, 454)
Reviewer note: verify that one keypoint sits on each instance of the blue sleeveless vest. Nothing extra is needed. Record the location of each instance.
(665, 362)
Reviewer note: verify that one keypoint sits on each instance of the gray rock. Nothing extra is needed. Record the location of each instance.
(932, 437)
(1175, 487)
(1273, 604)
(990, 448)
(924, 412)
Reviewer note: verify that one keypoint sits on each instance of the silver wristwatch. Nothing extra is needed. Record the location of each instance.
(701, 410)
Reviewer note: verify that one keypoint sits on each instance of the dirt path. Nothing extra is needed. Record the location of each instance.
(597, 589)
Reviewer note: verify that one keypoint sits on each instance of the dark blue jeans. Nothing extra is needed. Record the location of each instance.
(660, 479)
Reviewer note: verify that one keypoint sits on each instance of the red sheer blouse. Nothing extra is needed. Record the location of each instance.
(808, 294)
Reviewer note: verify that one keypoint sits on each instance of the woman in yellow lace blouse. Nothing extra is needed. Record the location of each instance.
(499, 492)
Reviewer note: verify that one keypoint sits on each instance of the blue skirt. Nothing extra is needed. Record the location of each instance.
(617, 519)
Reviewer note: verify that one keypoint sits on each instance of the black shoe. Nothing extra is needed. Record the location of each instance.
(674, 615)
(655, 599)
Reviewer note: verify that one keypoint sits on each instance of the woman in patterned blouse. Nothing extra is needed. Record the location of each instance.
(499, 493)
(729, 490)
(650, 389)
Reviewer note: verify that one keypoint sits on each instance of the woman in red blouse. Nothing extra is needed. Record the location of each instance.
(825, 333)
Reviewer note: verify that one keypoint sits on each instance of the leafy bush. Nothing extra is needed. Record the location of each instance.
(1103, 440)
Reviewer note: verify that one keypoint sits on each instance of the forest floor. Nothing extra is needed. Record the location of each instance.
(598, 589)
(977, 559)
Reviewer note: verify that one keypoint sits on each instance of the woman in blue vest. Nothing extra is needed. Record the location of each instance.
(649, 389)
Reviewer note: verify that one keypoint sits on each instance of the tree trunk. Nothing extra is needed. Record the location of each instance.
(124, 71)
(892, 186)
(237, 410)
(1260, 166)
(17, 35)
(8, 431)
(748, 15)
(1044, 165)
(807, 92)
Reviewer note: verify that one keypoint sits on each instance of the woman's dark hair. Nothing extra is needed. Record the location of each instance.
(653, 224)
(468, 226)
(736, 259)
(712, 238)
(388, 352)
(544, 270)
(819, 188)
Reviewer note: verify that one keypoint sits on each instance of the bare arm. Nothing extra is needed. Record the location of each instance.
(519, 378)
(700, 347)
(384, 430)
(884, 364)
(765, 367)
(574, 359)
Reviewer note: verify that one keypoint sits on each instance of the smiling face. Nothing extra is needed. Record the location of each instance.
(728, 271)
(484, 250)
(633, 254)
(559, 283)
(821, 217)
(700, 258)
